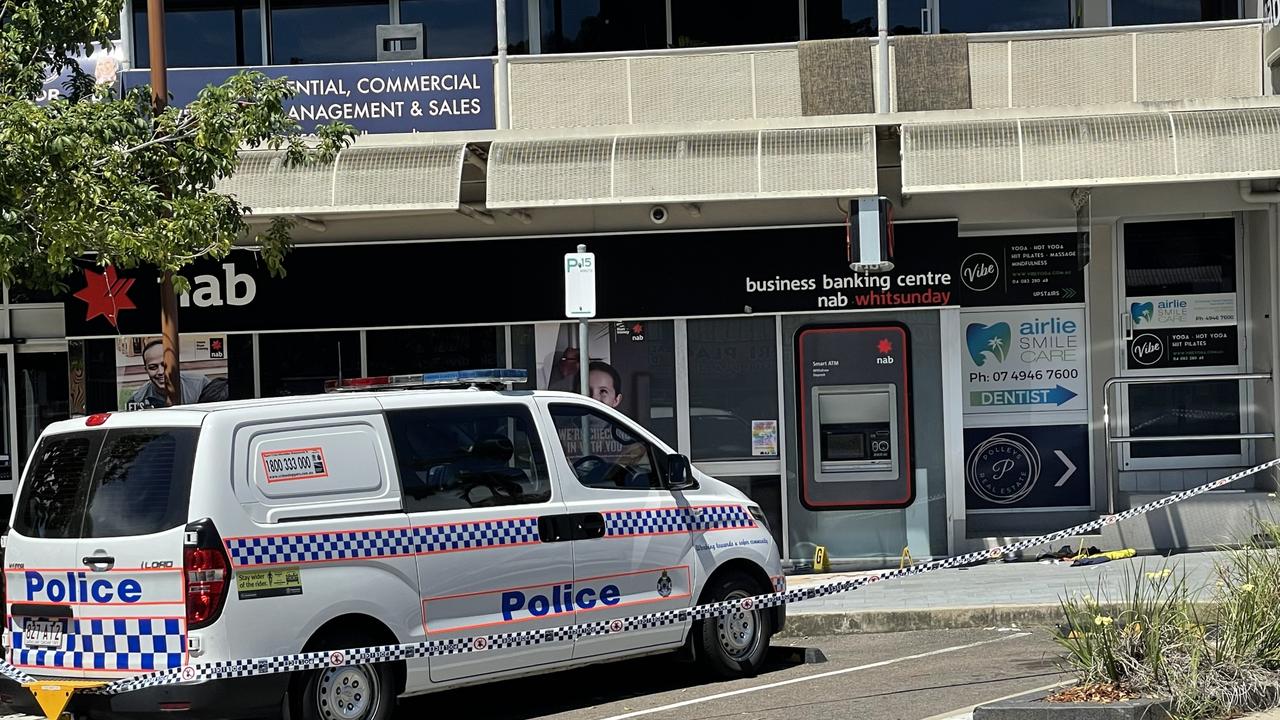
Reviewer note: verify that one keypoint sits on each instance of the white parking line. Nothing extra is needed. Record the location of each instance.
(819, 676)
(966, 713)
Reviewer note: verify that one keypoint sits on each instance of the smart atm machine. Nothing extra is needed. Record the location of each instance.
(855, 416)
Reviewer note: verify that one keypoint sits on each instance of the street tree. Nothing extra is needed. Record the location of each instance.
(108, 178)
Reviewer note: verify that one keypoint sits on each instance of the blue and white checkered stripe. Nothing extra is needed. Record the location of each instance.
(476, 535)
(482, 643)
(662, 521)
(381, 543)
(144, 644)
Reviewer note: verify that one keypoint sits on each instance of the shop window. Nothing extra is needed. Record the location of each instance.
(393, 352)
(326, 31)
(43, 395)
(1156, 12)
(699, 23)
(240, 367)
(203, 33)
(977, 16)
(1200, 408)
(463, 28)
(1180, 257)
(766, 491)
(632, 366)
(857, 18)
(733, 388)
(20, 294)
(300, 363)
(603, 25)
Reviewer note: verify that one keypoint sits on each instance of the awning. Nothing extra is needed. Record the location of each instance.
(1126, 149)
(684, 167)
(412, 177)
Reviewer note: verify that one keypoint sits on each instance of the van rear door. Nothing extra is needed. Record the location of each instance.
(95, 556)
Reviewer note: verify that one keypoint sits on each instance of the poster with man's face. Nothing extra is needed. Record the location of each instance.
(631, 367)
(140, 379)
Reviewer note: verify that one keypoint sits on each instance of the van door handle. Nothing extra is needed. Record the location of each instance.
(590, 526)
(554, 528)
(94, 561)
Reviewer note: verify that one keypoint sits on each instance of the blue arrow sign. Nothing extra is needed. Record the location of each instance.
(1056, 395)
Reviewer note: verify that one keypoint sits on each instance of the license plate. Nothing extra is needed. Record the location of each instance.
(41, 633)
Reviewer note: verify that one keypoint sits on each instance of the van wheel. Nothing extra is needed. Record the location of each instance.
(352, 692)
(733, 645)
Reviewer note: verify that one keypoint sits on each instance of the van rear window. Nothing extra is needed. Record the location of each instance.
(108, 483)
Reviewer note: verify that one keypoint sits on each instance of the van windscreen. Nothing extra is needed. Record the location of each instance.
(107, 483)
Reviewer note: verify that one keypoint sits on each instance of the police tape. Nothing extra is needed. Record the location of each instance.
(230, 669)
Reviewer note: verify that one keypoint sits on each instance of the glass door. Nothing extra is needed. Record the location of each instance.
(1182, 301)
(42, 396)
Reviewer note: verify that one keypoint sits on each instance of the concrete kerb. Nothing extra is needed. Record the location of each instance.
(889, 621)
(800, 625)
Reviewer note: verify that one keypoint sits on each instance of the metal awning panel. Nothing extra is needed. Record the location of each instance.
(369, 178)
(1126, 149)
(683, 167)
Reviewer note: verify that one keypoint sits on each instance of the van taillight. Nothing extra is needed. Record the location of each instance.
(206, 571)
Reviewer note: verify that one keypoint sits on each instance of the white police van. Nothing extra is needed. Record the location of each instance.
(149, 540)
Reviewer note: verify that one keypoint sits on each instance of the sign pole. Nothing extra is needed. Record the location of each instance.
(584, 340)
(580, 302)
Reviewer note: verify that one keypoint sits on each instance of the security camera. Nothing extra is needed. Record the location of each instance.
(657, 215)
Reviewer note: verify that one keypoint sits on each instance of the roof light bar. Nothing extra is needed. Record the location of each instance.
(480, 379)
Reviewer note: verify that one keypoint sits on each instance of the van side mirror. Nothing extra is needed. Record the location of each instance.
(679, 473)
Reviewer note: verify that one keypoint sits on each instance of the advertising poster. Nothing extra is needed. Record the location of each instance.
(1025, 360)
(1022, 467)
(140, 371)
(1182, 311)
(1184, 348)
(631, 367)
(1021, 270)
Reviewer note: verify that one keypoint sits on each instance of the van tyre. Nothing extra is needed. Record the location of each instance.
(352, 692)
(733, 645)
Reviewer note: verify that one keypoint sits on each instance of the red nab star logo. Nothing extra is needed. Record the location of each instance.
(885, 347)
(105, 294)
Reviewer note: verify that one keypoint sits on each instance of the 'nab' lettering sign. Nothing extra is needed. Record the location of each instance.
(207, 291)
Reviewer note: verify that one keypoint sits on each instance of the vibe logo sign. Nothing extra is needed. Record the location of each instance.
(983, 340)
(1147, 349)
(979, 272)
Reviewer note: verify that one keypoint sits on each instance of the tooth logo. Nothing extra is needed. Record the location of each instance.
(1142, 312)
(983, 340)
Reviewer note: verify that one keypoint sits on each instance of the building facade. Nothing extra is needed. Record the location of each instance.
(1080, 316)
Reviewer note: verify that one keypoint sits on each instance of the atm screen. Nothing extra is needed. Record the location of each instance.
(840, 445)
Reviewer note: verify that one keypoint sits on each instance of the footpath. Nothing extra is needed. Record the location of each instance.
(996, 594)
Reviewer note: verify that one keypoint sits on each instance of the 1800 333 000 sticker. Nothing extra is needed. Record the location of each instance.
(294, 464)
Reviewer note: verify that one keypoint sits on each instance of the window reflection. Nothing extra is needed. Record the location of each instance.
(700, 23)
(972, 16)
(1153, 12)
(464, 28)
(317, 31)
(601, 25)
(857, 18)
(203, 33)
